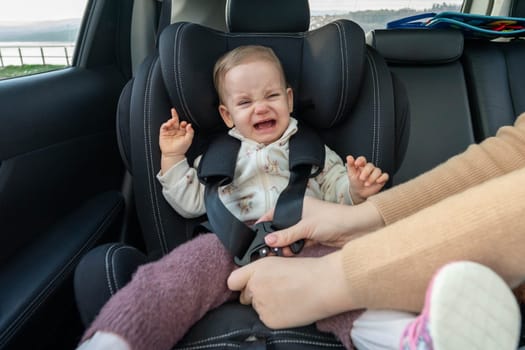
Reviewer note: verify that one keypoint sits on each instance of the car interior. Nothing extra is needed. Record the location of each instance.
(80, 205)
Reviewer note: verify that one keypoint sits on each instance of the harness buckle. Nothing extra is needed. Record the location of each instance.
(259, 249)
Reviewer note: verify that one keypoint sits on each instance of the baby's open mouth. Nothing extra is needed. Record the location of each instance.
(264, 124)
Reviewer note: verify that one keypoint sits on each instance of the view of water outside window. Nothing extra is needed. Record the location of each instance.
(37, 36)
(374, 14)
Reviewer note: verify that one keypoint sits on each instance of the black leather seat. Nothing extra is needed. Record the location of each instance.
(342, 88)
(495, 72)
(428, 63)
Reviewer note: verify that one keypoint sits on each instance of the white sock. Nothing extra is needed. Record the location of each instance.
(380, 329)
(104, 341)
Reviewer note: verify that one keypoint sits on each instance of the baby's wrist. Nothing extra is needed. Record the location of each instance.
(168, 161)
(177, 157)
(356, 198)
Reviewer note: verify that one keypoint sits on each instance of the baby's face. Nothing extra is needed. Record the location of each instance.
(256, 101)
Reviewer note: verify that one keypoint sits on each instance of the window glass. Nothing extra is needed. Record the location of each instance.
(374, 14)
(38, 36)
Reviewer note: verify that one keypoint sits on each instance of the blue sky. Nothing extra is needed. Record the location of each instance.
(357, 5)
(31, 10)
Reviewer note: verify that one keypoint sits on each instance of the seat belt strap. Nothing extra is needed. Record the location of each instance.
(217, 168)
(234, 234)
(307, 152)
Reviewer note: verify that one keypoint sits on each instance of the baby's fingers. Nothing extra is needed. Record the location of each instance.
(189, 130)
(373, 177)
(360, 162)
(167, 126)
(174, 114)
(350, 160)
(383, 178)
(174, 118)
(377, 177)
(366, 171)
(350, 166)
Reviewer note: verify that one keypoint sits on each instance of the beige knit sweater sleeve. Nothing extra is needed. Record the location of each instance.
(471, 207)
(493, 157)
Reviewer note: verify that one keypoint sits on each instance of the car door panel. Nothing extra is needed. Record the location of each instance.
(60, 175)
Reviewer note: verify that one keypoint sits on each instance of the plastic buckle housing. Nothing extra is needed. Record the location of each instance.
(259, 249)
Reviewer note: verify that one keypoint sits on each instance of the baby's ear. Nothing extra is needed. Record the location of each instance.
(289, 93)
(226, 116)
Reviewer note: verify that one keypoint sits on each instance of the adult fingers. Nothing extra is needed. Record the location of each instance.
(239, 278)
(285, 237)
(246, 297)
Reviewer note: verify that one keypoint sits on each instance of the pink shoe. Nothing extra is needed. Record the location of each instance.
(467, 306)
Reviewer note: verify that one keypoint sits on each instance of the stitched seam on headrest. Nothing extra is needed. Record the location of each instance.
(107, 268)
(113, 271)
(344, 74)
(149, 161)
(375, 103)
(177, 72)
(228, 16)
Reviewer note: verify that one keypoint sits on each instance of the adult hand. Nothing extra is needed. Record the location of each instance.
(292, 292)
(326, 223)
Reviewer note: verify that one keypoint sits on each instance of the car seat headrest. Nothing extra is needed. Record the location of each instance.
(324, 67)
(267, 16)
(427, 46)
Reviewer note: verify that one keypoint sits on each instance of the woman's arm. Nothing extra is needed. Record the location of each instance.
(391, 268)
(493, 157)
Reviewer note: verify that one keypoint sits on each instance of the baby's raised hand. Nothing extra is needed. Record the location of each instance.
(175, 137)
(365, 178)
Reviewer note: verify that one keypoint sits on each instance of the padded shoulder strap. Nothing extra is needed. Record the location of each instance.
(307, 152)
(216, 169)
(219, 161)
(307, 148)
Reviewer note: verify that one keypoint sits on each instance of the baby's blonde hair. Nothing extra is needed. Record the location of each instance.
(243, 54)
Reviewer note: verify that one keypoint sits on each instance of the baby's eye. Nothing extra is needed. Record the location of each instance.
(275, 94)
(243, 102)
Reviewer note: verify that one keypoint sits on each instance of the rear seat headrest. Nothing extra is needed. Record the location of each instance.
(268, 16)
(517, 9)
(324, 67)
(423, 46)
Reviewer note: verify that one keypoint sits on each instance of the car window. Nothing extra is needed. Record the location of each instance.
(373, 14)
(38, 36)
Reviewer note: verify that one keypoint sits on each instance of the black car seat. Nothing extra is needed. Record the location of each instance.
(427, 61)
(494, 71)
(342, 88)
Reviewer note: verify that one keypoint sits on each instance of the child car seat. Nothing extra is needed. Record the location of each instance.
(342, 88)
